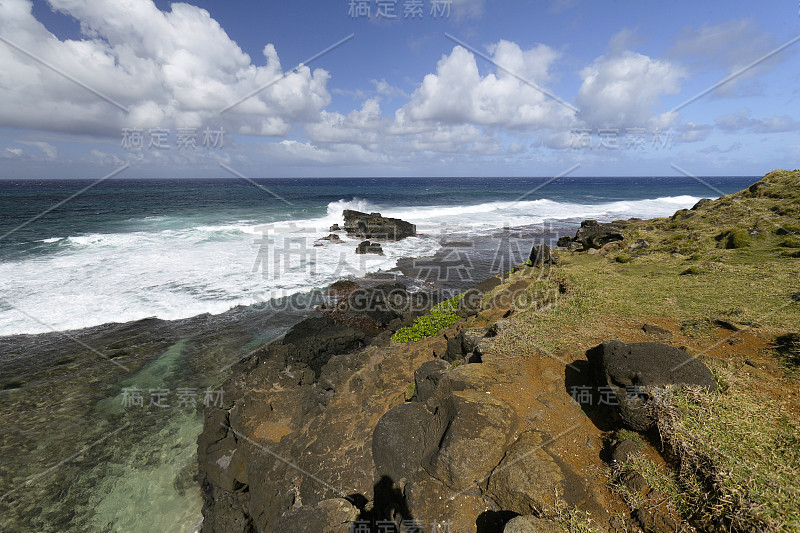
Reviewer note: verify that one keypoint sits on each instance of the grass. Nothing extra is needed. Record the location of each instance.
(738, 456)
(441, 316)
(735, 455)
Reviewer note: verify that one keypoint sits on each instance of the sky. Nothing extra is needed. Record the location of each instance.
(375, 88)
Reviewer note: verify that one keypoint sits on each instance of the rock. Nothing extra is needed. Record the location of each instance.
(498, 327)
(634, 372)
(470, 303)
(402, 441)
(477, 431)
(656, 331)
(376, 227)
(430, 502)
(624, 450)
(332, 238)
(335, 227)
(314, 340)
(531, 524)
(342, 287)
(593, 234)
(328, 516)
(700, 203)
(526, 480)
(464, 345)
(541, 255)
(382, 304)
(634, 481)
(426, 379)
(640, 244)
(654, 521)
(367, 247)
(564, 241)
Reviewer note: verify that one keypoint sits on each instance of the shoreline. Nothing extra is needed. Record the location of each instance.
(510, 368)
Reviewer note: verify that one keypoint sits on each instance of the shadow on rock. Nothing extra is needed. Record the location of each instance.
(389, 513)
(596, 403)
(494, 521)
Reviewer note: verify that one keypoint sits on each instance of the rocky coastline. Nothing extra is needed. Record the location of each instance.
(522, 416)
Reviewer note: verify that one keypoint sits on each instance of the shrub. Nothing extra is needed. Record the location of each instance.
(441, 315)
(735, 238)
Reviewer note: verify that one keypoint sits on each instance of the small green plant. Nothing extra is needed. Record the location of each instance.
(735, 238)
(441, 315)
(624, 258)
(410, 389)
(626, 434)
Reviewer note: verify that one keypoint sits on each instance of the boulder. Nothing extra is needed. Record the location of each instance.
(700, 203)
(402, 440)
(636, 372)
(625, 450)
(541, 255)
(426, 379)
(527, 479)
(332, 238)
(367, 247)
(376, 227)
(465, 346)
(477, 429)
(593, 234)
(335, 227)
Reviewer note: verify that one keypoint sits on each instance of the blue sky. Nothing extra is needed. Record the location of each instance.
(526, 88)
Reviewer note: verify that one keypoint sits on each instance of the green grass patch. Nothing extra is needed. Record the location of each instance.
(739, 457)
(441, 316)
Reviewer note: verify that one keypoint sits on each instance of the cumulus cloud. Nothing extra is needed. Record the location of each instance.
(621, 89)
(171, 69)
(362, 126)
(458, 94)
(742, 121)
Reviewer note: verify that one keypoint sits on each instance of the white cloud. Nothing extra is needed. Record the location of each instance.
(48, 150)
(741, 121)
(458, 94)
(691, 132)
(363, 126)
(11, 152)
(172, 69)
(622, 89)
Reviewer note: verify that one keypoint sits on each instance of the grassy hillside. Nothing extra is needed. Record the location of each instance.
(724, 279)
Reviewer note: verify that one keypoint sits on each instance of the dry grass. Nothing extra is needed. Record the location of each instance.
(736, 454)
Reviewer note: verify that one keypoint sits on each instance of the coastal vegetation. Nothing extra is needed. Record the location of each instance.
(441, 316)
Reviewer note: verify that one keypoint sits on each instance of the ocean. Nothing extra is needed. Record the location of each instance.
(126, 249)
(160, 285)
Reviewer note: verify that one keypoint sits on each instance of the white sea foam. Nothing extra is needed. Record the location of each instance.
(177, 273)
